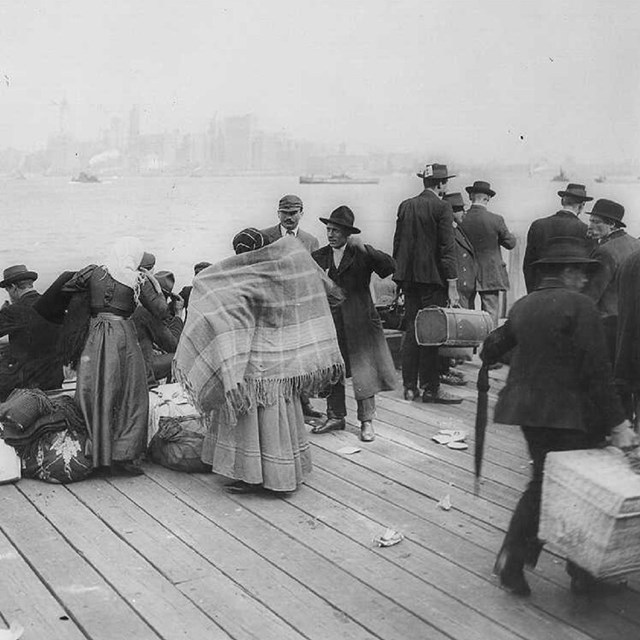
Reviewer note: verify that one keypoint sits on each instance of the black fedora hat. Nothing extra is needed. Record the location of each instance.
(608, 209)
(578, 191)
(167, 281)
(480, 186)
(16, 273)
(566, 250)
(455, 200)
(436, 171)
(342, 216)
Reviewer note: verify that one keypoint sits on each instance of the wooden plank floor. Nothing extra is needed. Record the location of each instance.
(170, 555)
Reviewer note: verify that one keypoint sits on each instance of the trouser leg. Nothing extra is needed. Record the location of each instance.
(490, 301)
(366, 409)
(410, 353)
(336, 404)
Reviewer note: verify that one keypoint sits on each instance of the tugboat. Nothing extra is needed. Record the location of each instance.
(561, 177)
(86, 178)
(341, 178)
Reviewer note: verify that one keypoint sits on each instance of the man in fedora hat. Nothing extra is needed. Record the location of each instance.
(31, 359)
(563, 223)
(159, 338)
(560, 390)
(426, 271)
(290, 212)
(614, 246)
(487, 232)
(349, 263)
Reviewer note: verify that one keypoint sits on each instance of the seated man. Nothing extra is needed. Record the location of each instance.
(159, 339)
(31, 359)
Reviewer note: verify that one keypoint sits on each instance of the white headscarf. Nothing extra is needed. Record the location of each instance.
(123, 261)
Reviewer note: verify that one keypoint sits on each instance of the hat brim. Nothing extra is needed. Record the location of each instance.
(421, 175)
(575, 195)
(618, 222)
(487, 192)
(353, 230)
(25, 275)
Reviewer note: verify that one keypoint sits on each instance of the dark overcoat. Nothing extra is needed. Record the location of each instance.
(310, 242)
(467, 267)
(561, 224)
(488, 232)
(423, 243)
(358, 325)
(560, 376)
(628, 336)
(32, 359)
(602, 287)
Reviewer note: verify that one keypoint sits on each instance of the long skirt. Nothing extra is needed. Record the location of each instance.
(267, 446)
(112, 390)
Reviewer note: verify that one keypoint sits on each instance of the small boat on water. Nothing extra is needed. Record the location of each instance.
(601, 179)
(341, 178)
(85, 178)
(561, 177)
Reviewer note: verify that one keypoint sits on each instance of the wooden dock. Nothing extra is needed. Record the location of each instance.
(173, 556)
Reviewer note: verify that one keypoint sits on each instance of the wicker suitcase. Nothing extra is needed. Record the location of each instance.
(591, 510)
(452, 327)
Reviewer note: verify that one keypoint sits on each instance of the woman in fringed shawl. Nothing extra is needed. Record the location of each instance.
(112, 379)
(259, 333)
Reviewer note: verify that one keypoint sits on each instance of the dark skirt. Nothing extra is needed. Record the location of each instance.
(112, 390)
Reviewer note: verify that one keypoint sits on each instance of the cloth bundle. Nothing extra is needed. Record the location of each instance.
(259, 326)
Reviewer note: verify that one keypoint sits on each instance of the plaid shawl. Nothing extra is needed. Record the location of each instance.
(259, 326)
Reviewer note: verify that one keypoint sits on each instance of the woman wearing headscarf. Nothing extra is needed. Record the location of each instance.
(112, 381)
(259, 334)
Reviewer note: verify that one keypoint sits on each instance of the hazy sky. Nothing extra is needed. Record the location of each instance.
(460, 79)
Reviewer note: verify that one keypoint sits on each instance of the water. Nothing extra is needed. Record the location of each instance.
(51, 224)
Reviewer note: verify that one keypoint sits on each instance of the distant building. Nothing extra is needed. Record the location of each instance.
(237, 132)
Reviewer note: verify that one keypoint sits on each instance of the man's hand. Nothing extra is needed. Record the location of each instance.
(356, 242)
(623, 436)
(452, 293)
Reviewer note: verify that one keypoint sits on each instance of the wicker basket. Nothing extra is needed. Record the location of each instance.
(591, 510)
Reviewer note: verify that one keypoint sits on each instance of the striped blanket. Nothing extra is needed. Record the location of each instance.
(259, 326)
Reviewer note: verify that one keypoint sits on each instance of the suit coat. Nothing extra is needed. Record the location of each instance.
(488, 232)
(310, 242)
(602, 287)
(563, 223)
(423, 244)
(358, 325)
(627, 359)
(560, 376)
(467, 267)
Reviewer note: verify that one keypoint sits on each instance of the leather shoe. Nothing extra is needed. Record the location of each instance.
(367, 434)
(440, 397)
(309, 412)
(331, 424)
(410, 394)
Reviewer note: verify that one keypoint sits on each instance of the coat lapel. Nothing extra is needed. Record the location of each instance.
(347, 259)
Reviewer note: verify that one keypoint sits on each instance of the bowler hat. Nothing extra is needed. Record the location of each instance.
(343, 217)
(290, 203)
(578, 191)
(480, 186)
(436, 171)
(16, 273)
(167, 280)
(455, 200)
(566, 250)
(609, 209)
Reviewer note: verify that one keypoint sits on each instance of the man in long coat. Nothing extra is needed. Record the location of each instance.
(560, 390)
(350, 263)
(425, 254)
(31, 359)
(563, 223)
(614, 246)
(487, 232)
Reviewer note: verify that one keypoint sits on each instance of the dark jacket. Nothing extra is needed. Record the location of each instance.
(602, 287)
(31, 359)
(310, 242)
(628, 335)
(560, 376)
(560, 224)
(467, 267)
(423, 243)
(488, 232)
(358, 325)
